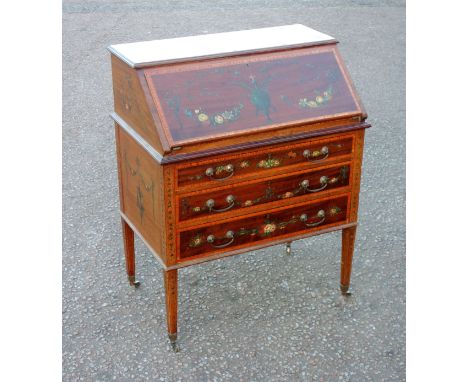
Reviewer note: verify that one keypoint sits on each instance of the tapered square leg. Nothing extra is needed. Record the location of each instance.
(170, 285)
(347, 250)
(129, 249)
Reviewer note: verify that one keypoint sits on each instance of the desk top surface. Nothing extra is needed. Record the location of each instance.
(150, 53)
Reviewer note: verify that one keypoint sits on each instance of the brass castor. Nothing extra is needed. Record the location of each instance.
(345, 290)
(288, 248)
(173, 340)
(133, 282)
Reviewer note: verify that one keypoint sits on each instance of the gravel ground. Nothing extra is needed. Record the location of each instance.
(253, 317)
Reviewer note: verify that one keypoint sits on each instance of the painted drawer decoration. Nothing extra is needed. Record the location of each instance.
(305, 154)
(246, 231)
(268, 191)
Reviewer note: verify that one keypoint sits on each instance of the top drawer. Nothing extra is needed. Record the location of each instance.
(259, 163)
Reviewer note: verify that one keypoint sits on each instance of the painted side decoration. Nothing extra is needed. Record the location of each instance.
(141, 182)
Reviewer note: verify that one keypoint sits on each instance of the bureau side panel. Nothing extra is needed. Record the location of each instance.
(131, 105)
(141, 191)
(356, 175)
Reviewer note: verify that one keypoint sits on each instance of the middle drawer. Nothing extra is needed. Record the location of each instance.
(218, 201)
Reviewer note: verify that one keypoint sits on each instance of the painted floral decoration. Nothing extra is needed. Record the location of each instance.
(334, 211)
(245, 164)
(196, 241)
(216, 118)
(269, 163)
(248, 203)
(202, 117)
(269, 228)
(320, 99)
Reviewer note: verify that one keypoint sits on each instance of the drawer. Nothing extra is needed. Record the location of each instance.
(260, 163)
(241, 197)
(276, 224)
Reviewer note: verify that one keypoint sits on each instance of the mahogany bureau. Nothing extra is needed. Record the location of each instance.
(232, 142)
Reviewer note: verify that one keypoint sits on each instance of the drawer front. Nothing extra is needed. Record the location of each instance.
(298, 219)
(242, 197)
(259, 163)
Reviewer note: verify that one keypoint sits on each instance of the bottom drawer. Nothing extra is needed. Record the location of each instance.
(289, 221)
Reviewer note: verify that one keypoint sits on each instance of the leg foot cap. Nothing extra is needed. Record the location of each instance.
(174, 344)
(133, 282)
(345, 290)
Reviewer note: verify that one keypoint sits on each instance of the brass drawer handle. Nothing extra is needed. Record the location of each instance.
(323, 181)
(315, 154)
(320, 214)
(229, 199)
(228, 168)
(229, 235)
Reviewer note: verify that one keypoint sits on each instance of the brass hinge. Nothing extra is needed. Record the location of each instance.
(176, 148)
